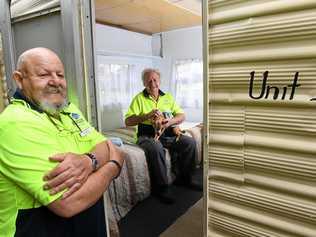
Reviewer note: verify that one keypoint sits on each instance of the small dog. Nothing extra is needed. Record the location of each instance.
(157, 123)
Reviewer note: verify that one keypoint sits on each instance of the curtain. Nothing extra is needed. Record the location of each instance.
(115, 85)
(188, 87)
(189, 83)
(118, 81)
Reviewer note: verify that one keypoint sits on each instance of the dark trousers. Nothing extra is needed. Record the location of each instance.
(40, 222)
(183, 154)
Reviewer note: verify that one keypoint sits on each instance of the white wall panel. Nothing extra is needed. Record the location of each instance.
(120, 41)
(261, 152)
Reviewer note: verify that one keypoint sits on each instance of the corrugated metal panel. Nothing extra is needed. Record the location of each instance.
(262, 152)
(26, 7)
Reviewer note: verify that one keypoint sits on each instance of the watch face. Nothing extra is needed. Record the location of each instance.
(167, 114)
(95, 164)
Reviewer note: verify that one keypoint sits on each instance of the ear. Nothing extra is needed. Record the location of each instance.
(17, 76)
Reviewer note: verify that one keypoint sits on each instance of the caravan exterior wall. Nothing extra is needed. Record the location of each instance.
(261, 149)
(42, 31)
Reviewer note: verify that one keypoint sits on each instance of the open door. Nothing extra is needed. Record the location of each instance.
(261, 86)
(132, 36)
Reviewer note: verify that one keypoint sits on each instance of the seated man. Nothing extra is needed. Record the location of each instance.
(145, 107)
(40, 197)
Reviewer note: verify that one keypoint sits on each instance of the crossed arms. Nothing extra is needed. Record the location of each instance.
(71, 186)
(75, 174)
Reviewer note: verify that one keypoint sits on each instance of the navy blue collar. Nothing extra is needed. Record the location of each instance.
(20, 96)
(146, 94)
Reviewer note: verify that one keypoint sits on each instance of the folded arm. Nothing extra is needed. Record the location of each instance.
(97, 182)
(74, 169)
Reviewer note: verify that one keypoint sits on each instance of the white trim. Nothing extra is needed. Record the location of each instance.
(120, 54)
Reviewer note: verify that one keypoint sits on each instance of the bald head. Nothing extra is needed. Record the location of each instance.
(40, 77)
(34, 54)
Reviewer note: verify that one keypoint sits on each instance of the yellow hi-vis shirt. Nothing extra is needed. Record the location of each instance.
(143, 103)
(27, 139)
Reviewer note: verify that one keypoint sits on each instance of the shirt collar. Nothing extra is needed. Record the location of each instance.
(20, 96)
(146, 94)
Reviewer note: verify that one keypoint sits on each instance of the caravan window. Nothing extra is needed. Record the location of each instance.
(188, 78)
(118, 81)
(115, 84)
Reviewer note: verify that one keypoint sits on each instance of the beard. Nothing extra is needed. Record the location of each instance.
(50, 107)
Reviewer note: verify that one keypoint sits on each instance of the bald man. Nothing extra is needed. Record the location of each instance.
(54, 167)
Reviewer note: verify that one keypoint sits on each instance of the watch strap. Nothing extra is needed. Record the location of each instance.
(95, 162)
(118, 166)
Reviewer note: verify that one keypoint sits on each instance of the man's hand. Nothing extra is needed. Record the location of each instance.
(167, 122)
(153, 114)
(72, 171)
(177, 119)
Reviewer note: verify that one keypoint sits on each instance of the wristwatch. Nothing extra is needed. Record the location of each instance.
(118, 166)
(95, 162)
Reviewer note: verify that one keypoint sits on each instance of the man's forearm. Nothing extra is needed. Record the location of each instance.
(135, 120)
(179, 118)
(104, 151)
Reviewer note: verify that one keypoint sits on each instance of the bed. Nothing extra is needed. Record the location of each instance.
(133, 184)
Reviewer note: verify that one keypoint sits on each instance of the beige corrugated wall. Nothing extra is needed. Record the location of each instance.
(262, 151)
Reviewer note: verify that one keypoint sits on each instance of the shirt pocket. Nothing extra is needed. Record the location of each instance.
(85, 140)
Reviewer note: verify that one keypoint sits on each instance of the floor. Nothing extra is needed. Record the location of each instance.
(189, 224)
(150, 218)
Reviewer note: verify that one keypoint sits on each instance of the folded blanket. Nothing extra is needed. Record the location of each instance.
(116, 141)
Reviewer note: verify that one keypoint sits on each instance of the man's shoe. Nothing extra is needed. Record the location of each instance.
(189, 184)
(164, 197)
(195, 186)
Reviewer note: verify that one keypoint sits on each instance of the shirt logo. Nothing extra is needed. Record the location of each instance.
(166, 101)
(75, 116)
(81, 124)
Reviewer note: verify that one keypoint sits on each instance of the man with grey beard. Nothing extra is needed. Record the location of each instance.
(54, 166)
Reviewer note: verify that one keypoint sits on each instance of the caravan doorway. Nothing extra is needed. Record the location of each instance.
(129, 37)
